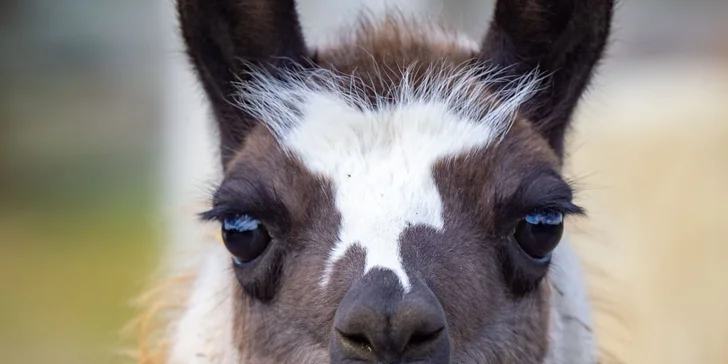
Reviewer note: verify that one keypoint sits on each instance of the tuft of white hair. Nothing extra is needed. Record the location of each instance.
(477, 93)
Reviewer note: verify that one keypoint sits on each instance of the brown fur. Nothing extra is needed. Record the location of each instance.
(491, 179)
(488, 176)
(379, 50)
(496, 304)
(517, 332)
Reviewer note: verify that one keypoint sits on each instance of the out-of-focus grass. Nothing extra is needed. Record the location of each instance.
(650, 159)
(71, 258)
(78, 216)
(79, 110)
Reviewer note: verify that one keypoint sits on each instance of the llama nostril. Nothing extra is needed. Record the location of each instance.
(357, 340)
(377, 322)
(421, 339)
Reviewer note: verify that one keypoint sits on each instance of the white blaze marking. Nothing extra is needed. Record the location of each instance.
(380, 164)
(380, 159)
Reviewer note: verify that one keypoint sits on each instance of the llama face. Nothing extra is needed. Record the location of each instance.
(394, 198)
(411, 204)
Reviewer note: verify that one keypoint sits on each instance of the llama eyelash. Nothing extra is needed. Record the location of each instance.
(219, 213)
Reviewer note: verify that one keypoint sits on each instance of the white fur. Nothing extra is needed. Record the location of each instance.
(204, 333)
(572, 340)
(380, 159)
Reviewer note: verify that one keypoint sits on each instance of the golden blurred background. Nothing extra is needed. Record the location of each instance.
(99, 141)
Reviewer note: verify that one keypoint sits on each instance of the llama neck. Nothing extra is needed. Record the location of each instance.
(204, 332)
(572, 339)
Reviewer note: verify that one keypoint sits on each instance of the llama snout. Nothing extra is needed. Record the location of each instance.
(377, 322)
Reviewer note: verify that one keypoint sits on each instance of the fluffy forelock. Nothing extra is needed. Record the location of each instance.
(467, 90)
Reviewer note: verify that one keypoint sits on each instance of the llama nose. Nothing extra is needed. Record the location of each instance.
(377, 322)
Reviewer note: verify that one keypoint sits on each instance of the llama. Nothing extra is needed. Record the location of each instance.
(395, 197)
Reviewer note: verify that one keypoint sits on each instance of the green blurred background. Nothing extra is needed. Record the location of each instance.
(85, 171)
(79, 127)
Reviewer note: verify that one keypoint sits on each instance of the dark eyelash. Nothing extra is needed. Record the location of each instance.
(564, 207)
(219, 213)
(509, 215)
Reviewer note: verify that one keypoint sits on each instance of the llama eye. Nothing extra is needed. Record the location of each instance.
(245, 238)
(539, 233)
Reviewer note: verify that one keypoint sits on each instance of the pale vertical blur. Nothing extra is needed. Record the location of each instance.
(104, 145)
(79, 128)
(650, 156)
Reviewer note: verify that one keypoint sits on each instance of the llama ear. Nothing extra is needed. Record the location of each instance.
(564, 40)
(224, 38)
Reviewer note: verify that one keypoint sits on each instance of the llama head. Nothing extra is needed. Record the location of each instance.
(396, 196)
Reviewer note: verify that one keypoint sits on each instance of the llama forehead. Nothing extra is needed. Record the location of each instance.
(380, 165)
(378, 151)
(378, 148)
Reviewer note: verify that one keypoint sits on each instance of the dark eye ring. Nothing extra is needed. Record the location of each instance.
(245, 238)
(539, 233)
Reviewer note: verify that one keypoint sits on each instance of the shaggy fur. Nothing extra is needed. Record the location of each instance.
(329, 123)
(495, 141)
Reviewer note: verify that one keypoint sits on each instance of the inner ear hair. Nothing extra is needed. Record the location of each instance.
(563, 40)
(226, 40)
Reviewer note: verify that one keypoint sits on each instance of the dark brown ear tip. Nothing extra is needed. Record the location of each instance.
(223, 38)
(564, 39)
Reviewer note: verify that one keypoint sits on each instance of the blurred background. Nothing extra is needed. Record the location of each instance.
(104, 146)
